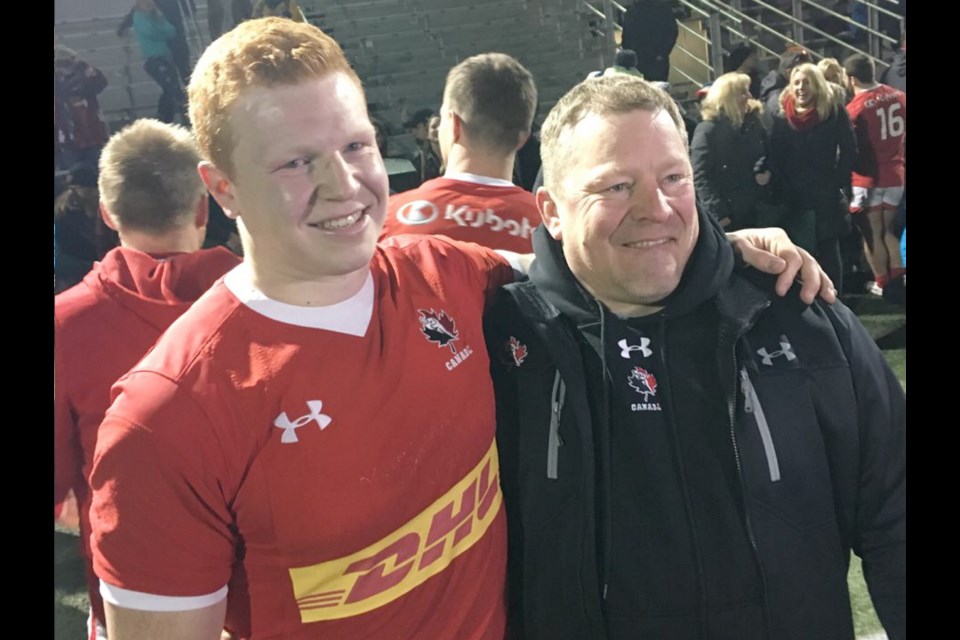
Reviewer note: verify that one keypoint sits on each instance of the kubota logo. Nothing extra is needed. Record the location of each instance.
(405, 559)
(418, 212)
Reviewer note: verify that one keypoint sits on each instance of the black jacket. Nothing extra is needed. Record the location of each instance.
(724, 159)
(896, 74)
(812, 169)
(818, 439)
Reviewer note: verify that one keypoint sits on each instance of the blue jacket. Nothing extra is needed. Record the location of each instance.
(152, 32)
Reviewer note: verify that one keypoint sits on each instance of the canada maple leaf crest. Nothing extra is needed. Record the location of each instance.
(643, 382)
(439, 328)
(518, 351)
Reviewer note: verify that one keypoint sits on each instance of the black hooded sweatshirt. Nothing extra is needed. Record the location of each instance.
(676, 558)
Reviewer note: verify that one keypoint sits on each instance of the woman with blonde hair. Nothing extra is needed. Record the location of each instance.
(812, 151)
(835, 74)
(728, 153)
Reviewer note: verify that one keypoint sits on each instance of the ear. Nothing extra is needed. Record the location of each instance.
(457, 125)
(107, 218)
(549, 213)
(220, 187)
(522, 138)
(201, 213)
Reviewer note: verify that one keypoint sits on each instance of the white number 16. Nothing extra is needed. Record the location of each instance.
(891, 125)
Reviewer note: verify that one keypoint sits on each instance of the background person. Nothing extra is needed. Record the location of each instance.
(879, 116)
(489, 102)
(154, 32)
(812, 151)
(729, 153)
(427, 159)
(78, 122)
(650, 30)
(152, 196)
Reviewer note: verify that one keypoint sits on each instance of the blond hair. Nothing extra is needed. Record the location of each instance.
(496, 98)
(258, 53)
(723, 99)
(832, 71)
(825, 98)
(607, 95)
(148, 176)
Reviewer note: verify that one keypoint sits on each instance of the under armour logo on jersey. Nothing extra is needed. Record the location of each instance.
(290, 428)
(625, 348)
(786, 350)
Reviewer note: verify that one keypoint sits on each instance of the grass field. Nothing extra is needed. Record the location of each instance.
(69, 588)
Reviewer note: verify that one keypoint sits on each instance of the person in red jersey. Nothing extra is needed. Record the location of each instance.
(309, 450)
(151, 194)
(488, 108)
(879, 116)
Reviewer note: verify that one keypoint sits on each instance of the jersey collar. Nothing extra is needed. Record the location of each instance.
(351, 317)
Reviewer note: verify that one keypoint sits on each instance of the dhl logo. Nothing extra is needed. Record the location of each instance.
(395, 565)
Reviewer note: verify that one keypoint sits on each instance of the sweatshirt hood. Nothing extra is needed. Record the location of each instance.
(708, 268)
(158, 287)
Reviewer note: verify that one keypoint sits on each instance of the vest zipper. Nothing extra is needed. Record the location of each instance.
(554, 441)
(748, 524)
(751, 404)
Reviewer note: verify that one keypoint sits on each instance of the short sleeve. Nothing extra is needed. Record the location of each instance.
(160, 517)
(480, 266)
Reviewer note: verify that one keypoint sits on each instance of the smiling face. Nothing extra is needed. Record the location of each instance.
(804, 91)
(308, 183)
(625, 208)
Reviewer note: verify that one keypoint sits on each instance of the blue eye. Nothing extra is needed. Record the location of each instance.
(356, 146)
(299, 163)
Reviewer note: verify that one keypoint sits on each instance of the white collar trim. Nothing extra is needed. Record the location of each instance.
(474, 178)
(352, 316)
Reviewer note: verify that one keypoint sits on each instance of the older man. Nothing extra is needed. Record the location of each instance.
(683, 454)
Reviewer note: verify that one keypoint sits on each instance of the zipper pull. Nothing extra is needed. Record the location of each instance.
(745, 387)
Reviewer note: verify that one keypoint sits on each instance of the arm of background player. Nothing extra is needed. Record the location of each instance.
(66, 453)
(198, 624)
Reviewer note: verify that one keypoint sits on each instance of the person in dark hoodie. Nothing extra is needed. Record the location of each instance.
(151, 194)
(650, 29)
(896, 74)
(683, 454)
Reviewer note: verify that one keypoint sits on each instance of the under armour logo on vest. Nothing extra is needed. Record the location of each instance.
(625, 348)
(786, 350)
(290, 428)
